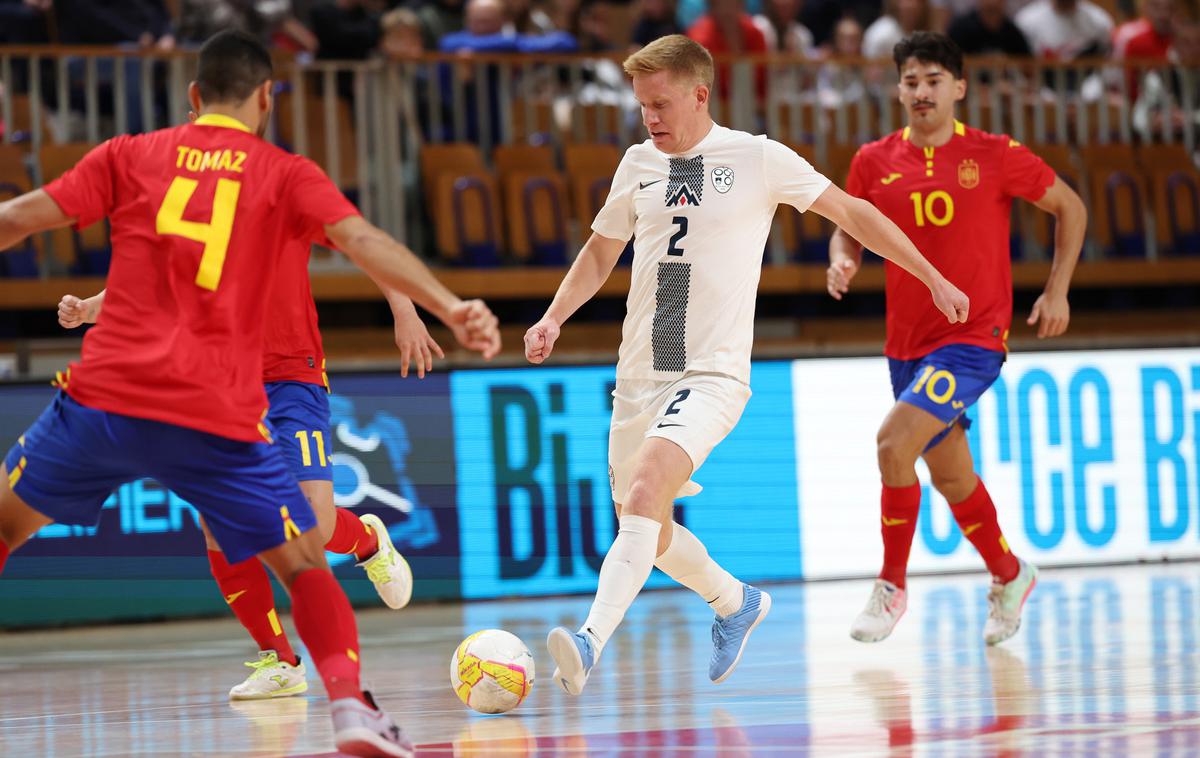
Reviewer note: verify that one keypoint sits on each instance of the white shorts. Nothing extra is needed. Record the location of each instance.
(695, 412)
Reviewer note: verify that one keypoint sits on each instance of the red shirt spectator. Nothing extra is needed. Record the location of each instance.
(728, 29)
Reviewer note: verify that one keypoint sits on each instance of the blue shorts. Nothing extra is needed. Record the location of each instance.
(299, 414)
(946, 382)
(73, 457)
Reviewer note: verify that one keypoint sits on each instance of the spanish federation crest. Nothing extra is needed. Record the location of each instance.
(685, 181)
(722, 178)
(968, 174)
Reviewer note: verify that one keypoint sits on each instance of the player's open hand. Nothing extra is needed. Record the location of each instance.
(73, 312)
(540, 339)
(951, 301)
(476, 327)
(416, 346)
(1051, 313)
(838, 276)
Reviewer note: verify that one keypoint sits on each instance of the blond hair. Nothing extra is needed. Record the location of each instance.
(676, 54)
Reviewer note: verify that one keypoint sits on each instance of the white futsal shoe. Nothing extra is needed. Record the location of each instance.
(884, 608)
(387, 569)
(1005, 602)
(271, 678)
(365, 731)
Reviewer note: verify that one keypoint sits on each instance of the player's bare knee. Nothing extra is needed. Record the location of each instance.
(642, 500)
(895, 454)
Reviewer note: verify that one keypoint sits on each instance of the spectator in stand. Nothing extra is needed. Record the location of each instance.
(821, 17)
(688, 12)
(838, 84)
(783, 33)
(902, 18)
(527, 19)
(272, 21)
(989, 30)
(23, 22)
(440, 18)
(145, 23)
(727, 29)
(657, 19)
(1063, 30)
(1165, 105)
(129, 24)
(943, 12)
(1149, 36)
(782, 30)
(346, 29)
(400, 35)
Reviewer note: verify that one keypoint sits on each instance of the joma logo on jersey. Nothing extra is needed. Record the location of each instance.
(968, 174)
(685, 182)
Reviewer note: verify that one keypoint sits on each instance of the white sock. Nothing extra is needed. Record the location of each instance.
(625, 569)
(686, 561)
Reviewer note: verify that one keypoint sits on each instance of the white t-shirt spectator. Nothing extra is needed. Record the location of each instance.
(1065, 36)
(797, 38)
(881, 36)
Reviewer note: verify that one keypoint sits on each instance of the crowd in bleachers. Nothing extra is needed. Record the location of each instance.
(1060, 30)
(484, 206)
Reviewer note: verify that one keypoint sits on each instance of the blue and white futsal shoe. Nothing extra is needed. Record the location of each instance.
(573, 654)
(729, 634)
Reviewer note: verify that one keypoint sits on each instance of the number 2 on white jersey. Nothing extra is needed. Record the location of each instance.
(215, 234)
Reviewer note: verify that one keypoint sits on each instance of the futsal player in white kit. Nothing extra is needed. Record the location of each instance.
(698, 199)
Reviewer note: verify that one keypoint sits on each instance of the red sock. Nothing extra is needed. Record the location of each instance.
(326, 624)
(352, 537)
(3, 555)
(247, 589)
(976, 516)
(900, 506)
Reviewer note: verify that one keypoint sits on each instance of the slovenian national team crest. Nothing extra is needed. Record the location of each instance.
(722, 178)
(968, 174)
(685, 182)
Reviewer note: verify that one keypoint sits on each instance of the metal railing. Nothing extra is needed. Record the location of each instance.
(365, 122)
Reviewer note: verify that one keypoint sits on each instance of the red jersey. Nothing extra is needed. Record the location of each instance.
(954, 202)
(203, 218)
(292, 349)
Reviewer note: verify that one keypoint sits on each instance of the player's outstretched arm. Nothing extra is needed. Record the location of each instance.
(868, 226)
(590, 270)
(845, 258)
(29, 214)
(1051, 312)
(73, 312)
(393, 265)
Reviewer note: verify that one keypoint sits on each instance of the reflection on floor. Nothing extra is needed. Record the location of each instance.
(1106, 663)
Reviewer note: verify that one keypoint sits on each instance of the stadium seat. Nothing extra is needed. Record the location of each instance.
(532, 121)
(595, 123)
(88, 251)
(535, 194)
(590, 169)
(462, 199)
(1038, 226)
(21, 260)
(1118, 194)
(1175, 195)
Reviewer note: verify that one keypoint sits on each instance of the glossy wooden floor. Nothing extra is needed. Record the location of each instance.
(1106, 664)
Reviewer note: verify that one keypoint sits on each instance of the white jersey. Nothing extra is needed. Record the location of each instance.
(700, 222)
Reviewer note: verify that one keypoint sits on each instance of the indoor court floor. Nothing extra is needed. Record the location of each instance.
(1105, 664)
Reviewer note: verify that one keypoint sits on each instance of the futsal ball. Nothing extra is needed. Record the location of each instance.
(491, 671)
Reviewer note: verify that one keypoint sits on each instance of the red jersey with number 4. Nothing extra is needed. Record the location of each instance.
(954, 202)
(203, 218)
